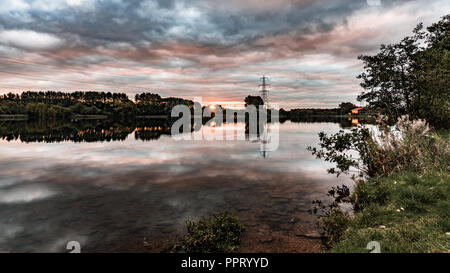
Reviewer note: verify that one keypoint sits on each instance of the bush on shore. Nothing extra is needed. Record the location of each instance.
(409, 145)
(220, 233)
(403, 203)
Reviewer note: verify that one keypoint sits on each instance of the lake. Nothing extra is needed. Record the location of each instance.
(131, 188)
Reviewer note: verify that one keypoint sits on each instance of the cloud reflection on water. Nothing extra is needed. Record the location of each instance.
(113, 194)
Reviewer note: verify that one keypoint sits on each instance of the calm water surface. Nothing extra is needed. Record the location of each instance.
(110, 195)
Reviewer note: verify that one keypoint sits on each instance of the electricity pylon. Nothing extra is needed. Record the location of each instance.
(264, 91)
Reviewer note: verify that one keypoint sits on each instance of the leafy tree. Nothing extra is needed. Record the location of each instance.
(345, 107)
(253, 100)
(412, 76)
(433, 76)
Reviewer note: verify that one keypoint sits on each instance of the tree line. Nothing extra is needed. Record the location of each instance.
(64, 105)
(301, 113)
(49, 131)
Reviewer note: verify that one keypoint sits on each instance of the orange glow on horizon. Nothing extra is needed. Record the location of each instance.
(227, 104)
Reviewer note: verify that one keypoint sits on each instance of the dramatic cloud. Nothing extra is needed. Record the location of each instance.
(28, 39)
(214, 49)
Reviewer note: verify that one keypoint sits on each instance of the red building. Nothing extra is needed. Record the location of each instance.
(357, 110)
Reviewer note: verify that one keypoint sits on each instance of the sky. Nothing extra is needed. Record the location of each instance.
(216, 50)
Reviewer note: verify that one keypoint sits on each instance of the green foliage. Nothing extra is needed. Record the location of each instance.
(337, 148)
(83, 130)
(44, 111)
(219, 233)
(411, 77)
(334, 224)
(404, 204)
(60, 105)
(433, 80)
(302, 113)
(253, 100)
(147, 98)
(346, 107)
(153, 104)
(405, 212)
(409, 145)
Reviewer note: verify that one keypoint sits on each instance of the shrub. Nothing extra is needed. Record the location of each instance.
(333, 221)
(403, 203)
(217, 234)
(408, 145)
(334, 224)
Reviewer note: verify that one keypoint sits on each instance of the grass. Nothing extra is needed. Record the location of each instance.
(405, 203)
(405, 212)
(220, 233)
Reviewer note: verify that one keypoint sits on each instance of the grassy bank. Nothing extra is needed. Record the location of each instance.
(403, 201)
(405, 212)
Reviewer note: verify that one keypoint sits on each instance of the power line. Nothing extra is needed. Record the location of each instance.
(264, 91)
